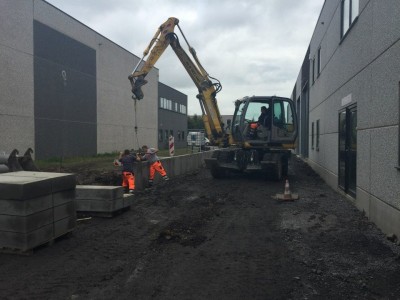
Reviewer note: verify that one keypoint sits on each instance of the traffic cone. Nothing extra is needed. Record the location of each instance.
(287, 194)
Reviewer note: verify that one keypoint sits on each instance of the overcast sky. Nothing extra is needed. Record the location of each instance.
(253, 47)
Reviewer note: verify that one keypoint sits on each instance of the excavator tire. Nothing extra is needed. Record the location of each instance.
(275, 171)
(216, 171)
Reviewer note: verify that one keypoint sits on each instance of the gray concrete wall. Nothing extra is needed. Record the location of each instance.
(117, 114)
(16, 75)
(363, 68)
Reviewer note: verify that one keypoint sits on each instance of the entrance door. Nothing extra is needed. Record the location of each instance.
(348, 150)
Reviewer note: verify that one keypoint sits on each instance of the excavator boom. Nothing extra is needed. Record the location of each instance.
(164, 37)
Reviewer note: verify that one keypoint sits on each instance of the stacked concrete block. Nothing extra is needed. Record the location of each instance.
(35, 208)
(102, 201)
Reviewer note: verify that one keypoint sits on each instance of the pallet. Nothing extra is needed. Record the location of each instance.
(102, 214)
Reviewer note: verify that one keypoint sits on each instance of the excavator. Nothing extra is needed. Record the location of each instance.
(246, 143)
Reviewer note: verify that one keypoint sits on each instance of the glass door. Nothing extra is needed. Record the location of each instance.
(348, 150)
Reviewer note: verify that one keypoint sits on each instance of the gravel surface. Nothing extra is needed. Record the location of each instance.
(195, 237)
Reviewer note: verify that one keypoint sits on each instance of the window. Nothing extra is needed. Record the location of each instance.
(160, 135)
(319, 61)
(312, 135)
(313, 70)
(182, 109)
(166, 135)
(349, 15)
(317, 141)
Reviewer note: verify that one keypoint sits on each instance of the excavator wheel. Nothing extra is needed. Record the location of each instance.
(216, 171)
(275, 170)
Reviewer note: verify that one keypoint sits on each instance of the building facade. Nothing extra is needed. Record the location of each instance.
(347, 95)
(65, 88)
(172, 117)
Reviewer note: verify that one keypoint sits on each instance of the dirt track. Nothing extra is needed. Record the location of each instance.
(198, 238)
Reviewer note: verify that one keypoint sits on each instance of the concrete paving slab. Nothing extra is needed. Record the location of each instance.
(90, 205)
(63, 197)
(128, 200)
(26, 224)
(27, 206)
(98, 192)
(59, 181)
(66, 210)
(64, 226)
(26, 241)
(21, 188)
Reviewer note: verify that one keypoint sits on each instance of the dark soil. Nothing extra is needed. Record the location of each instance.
(195, 237)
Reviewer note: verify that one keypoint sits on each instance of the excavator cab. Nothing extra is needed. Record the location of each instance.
(259, 142)
(276, 126)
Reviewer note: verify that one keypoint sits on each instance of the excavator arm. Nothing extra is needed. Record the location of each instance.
(163, 38)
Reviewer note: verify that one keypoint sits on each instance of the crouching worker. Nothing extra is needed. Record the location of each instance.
(155, 164)
(127, 161)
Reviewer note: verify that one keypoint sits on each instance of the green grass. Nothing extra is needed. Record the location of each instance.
(104, 159)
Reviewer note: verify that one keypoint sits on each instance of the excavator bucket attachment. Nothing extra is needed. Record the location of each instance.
(26, 161)
(137, 87)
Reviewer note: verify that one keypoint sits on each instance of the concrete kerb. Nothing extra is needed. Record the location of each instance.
(174, 166)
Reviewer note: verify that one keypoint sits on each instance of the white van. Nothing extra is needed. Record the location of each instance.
(197, 138)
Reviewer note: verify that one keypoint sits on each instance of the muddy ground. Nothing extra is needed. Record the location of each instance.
(199, 238)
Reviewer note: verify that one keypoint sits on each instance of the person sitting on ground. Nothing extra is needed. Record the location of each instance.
(155, 163)
(127, 161)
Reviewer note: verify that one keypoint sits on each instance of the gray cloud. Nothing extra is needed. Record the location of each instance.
(254, 47)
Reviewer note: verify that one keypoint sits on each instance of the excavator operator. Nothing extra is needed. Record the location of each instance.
(265, 118)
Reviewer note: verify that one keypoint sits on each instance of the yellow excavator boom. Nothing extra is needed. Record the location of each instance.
(163, 38)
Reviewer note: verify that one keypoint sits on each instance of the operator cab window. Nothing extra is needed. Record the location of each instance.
(237, 118)
(283, 115)
(254, 110)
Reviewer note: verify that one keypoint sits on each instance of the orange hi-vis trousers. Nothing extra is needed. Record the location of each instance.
(156, 166)
(128, 180)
